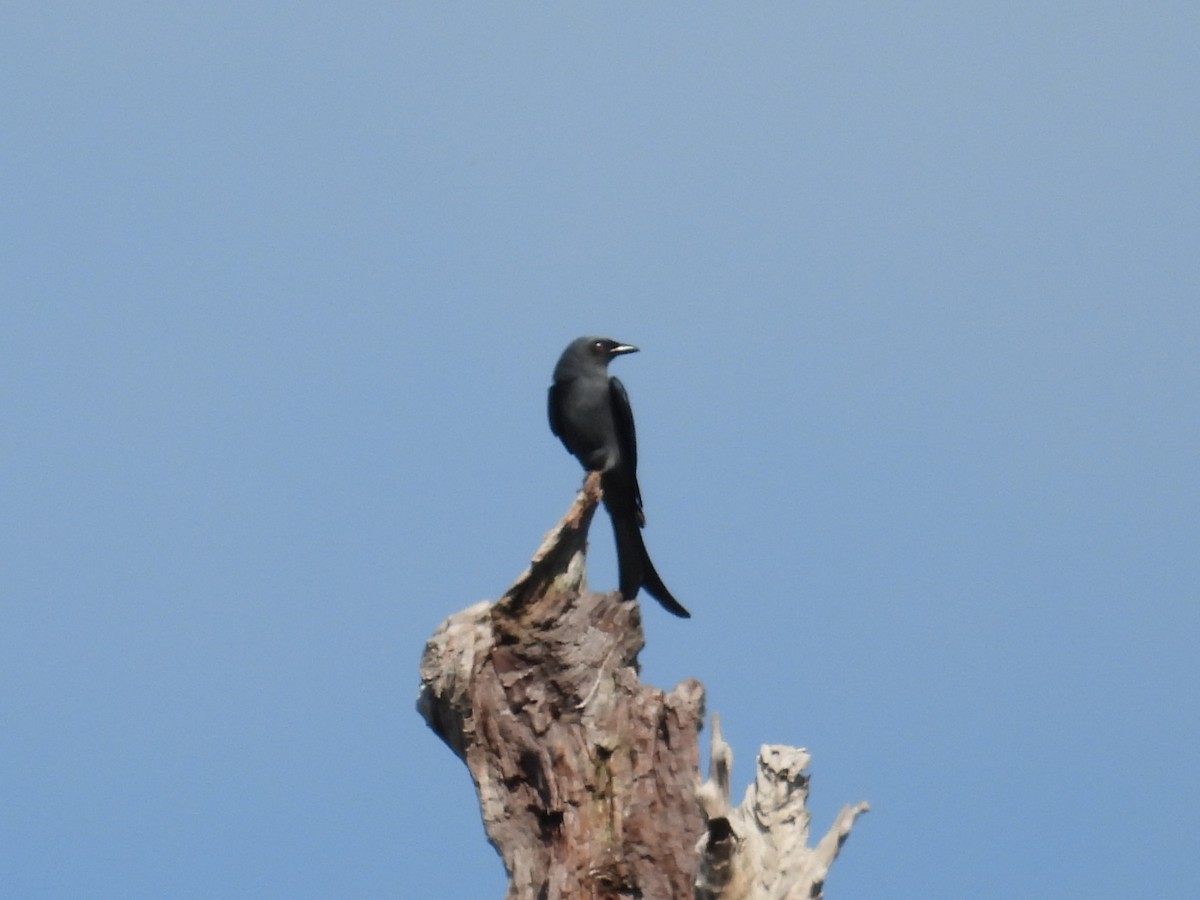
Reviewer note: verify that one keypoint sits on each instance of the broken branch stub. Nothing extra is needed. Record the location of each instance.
(759, 849)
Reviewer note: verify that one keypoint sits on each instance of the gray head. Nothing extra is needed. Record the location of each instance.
(589, 354)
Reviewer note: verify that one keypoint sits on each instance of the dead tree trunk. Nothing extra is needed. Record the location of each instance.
(587, 779)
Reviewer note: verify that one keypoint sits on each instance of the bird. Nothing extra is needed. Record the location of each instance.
(590, 413)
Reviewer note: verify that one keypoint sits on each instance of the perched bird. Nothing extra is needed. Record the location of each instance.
(590, 414)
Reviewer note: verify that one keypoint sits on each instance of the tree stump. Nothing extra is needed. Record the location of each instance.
(587, 779)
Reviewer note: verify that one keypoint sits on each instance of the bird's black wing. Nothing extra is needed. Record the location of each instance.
(626, 436)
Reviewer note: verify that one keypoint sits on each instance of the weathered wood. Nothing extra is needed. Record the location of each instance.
(759, 850)
(588, 780)
(586, 777)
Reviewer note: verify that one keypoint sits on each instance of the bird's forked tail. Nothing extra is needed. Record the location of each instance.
(636, 569)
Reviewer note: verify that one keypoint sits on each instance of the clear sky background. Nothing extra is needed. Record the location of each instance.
(282, 287)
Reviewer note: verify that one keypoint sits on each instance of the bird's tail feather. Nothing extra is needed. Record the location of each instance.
(636, 569)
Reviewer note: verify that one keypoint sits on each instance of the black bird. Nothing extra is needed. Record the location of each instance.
(590, 414)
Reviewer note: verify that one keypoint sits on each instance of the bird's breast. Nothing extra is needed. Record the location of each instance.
(586, 421)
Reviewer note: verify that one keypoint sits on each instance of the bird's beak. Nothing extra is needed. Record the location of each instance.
(622, 348)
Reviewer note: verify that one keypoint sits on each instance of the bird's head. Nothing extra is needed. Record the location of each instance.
(601, 348)
(588, 354)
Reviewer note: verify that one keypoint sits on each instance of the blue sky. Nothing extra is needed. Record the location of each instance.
(283, 286)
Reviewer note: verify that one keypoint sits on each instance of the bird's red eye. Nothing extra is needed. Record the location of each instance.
(598, 346)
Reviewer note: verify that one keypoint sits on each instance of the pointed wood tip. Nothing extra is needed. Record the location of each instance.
(561, 553)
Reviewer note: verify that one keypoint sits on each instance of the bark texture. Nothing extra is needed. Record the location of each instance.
(586, 777)
(588, 780)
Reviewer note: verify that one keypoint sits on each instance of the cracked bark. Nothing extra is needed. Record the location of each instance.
(588, 779)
